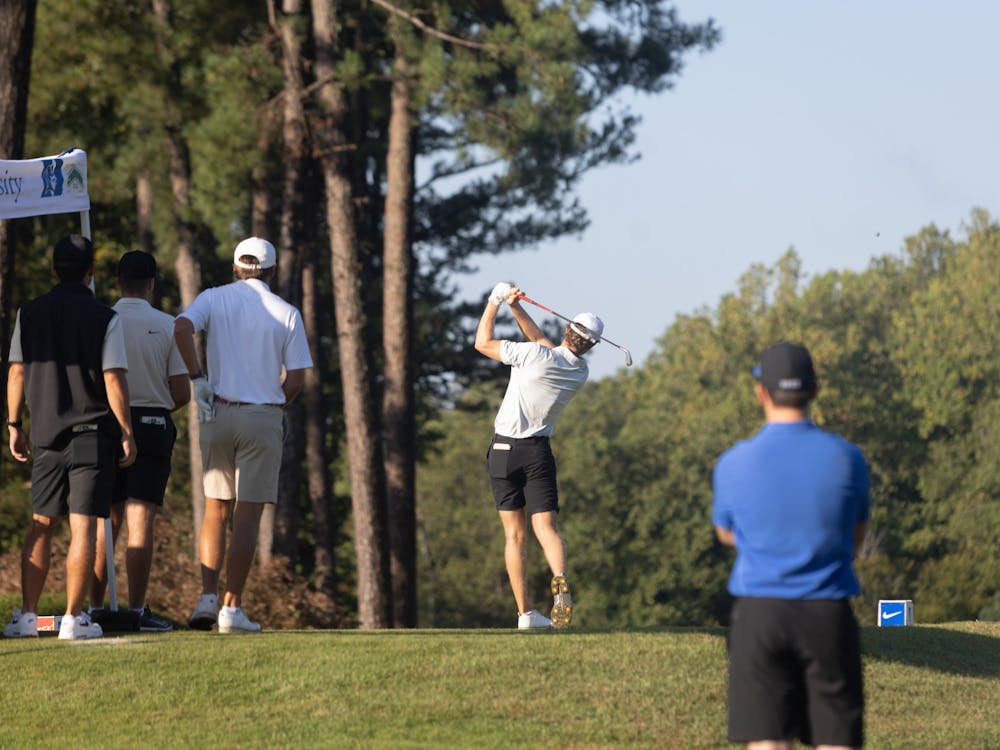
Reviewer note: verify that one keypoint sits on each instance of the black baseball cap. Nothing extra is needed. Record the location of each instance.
(137, 265)
(786, 367)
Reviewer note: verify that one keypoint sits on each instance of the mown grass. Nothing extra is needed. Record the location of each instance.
(928, 687)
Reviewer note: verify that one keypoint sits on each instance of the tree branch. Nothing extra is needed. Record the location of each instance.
(433, 32)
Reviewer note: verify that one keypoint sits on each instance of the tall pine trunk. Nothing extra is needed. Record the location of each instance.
(17, 35)
(398, 423)
(316, 458)
(187, 267)
(295, 150)
(364, 455)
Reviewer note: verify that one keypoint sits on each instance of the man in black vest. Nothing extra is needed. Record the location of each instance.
(68, 362)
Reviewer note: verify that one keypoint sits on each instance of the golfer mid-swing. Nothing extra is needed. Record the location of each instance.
(543, 379)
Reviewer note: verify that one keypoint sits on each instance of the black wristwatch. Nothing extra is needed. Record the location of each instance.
(14, 423)
(197, 375)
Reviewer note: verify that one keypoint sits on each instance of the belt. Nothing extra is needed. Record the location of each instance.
(532, 439)
(226, 402)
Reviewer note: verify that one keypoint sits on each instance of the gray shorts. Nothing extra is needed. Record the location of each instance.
(241, 452)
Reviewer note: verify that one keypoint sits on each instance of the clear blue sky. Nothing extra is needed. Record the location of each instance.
(836, 128)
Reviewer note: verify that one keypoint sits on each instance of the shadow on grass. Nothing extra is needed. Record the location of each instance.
(940, 649)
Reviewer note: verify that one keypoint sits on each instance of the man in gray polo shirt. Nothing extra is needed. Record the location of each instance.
(157, 384)
(253, 336)
(543, 379)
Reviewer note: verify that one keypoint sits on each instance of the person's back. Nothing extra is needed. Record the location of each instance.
(543, 381)
(794, 495)
(249, 332)
(62, 337)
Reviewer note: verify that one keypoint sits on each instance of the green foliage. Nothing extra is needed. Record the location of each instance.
(15, 513)
(636, 451)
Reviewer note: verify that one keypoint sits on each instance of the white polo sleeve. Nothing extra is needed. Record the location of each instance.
(15, 341)
(199, 311)
(296, 355)
(113, 356)
(520, 353)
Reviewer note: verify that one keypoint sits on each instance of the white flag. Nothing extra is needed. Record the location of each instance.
(50, 185)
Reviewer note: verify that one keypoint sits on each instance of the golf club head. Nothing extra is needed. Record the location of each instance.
(628, 358)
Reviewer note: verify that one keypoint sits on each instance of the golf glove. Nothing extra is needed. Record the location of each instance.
(204, 396)
(499, 293)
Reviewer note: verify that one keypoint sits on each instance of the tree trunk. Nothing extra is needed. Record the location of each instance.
(398, 421)
(317, 461)
(187, 266)
(367, 493)
(17, 35)
(295, 147)
(144, 210)
(261, 192)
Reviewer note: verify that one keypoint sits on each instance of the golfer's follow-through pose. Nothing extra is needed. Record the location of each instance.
(793, 499)
(543, 379)
(252, 336)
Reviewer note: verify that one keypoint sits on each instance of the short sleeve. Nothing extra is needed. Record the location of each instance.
(113, 356)
(199, 311)
(296, 355)
(15, 341)
(721, 510)
(175, 362)
(861, 483)
(520, 353)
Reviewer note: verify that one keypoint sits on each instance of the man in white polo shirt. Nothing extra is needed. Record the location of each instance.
(253, 335)
(543, 379)
(157, 385)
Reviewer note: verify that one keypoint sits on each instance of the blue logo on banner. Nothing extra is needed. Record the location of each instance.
(52, 179)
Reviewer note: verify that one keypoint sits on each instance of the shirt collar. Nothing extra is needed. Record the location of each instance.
(136, 301)
(257, 284)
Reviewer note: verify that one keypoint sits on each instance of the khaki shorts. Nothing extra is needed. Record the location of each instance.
(241, 452)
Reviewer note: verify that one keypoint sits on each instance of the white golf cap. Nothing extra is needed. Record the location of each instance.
(260, 249)
(589, 326)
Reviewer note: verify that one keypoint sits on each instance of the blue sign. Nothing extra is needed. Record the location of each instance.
(895, 613)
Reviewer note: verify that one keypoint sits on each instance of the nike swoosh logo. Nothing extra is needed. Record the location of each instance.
(887, 615)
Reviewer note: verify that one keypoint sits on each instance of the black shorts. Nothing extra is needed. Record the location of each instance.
(76, 474)
(523, 474)
(795, 672)
(146, 479)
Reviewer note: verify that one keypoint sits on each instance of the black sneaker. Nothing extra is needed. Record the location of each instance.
(150, 623)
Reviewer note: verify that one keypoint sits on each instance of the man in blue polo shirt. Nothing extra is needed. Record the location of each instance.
(794, 502)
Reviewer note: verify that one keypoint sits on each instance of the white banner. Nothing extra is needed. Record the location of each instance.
(50, 185)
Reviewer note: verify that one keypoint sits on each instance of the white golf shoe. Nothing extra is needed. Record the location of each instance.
(205, 614)
(79, 628)
(234, 620)
(22, 625)
(533, 620)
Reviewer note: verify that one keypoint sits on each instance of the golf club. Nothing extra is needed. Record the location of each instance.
(628, 355)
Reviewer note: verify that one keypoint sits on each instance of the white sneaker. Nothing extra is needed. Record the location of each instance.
(78, 628)
(234, 620)
(533, 620)
(22, 625)
(205, 614)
